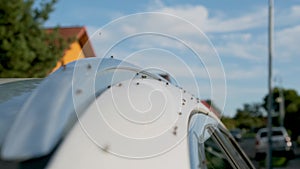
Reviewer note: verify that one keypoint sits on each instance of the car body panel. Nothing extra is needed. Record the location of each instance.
(97, 113)
(50, 108)
(135, 144)
(280, 142)
(14, 93)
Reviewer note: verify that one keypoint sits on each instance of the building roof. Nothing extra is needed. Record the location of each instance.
(80, 34)
(211, 108)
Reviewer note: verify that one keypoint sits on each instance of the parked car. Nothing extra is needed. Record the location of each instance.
(105, 113)
(281, 142)
(237, 134)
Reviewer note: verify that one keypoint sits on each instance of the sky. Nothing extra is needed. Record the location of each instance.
(212, 48)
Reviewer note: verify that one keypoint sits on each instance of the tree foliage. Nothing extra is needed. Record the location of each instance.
(250, 116)
(292, 108)
(253, 116)
(26, 49)
(229, 122)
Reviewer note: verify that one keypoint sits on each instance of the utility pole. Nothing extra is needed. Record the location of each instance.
(282, 106)
(270, 107)
(281, 101)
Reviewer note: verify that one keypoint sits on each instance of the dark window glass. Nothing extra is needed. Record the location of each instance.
(212, 147)
(214, 156)
(277, 133)
(274, 133)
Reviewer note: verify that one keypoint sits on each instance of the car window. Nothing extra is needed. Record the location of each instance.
(229, 147)
(197, 137)
(274, 133)
(277, 133)
(215, 158)
(212, 147)
(263, 134)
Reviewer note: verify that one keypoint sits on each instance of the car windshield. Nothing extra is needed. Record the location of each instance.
(274, 133)
(234, 131)
(211, 146)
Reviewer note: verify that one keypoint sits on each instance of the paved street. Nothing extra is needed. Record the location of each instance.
(248, 146)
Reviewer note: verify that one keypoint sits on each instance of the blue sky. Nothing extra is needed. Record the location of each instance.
(237, 30)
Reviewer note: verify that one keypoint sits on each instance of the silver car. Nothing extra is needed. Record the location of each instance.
(281, 142)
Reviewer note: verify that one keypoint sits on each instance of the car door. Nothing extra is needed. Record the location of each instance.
(211, 145)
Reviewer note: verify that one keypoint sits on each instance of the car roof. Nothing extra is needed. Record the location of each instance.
(50, 109)
(45, 112)
(265, 130)
(14, 93)
(273, 129)
(134, 135)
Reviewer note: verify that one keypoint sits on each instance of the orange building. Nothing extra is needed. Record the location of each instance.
(79, 47)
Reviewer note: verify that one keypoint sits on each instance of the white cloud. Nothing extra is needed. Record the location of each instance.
(287, 43)
(156, 4)
(295, 11)
(287, 17)
(242, 73)
(249, 51)
(199, 15)
(244, 37)
(234, 38)
(245, 22)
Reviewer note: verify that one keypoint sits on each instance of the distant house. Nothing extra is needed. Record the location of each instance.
(212, 108)
(79, 46)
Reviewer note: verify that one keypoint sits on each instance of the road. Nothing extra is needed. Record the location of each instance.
(249, 144)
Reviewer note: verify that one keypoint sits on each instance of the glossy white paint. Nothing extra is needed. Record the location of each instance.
(108, 114)
(47, 111)
(131, 125)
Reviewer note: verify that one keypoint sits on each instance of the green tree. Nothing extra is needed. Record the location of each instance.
(26, 49)
(229, 122)
(292, 109)
(250, 116)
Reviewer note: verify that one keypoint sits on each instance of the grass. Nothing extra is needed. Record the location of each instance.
(248, 135)
(276, 162)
